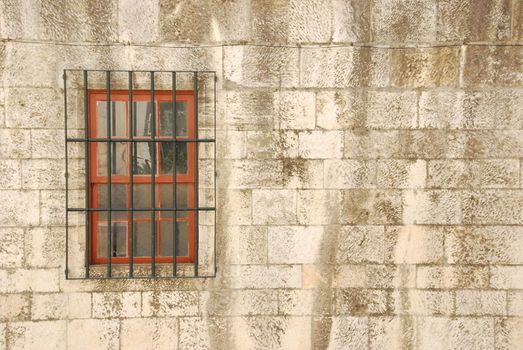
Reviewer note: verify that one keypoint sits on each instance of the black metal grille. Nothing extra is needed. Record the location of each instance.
(82, 84)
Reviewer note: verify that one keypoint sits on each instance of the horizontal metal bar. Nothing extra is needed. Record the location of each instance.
(139, 71)
(142, 209)
(142, 277)
(114, 139)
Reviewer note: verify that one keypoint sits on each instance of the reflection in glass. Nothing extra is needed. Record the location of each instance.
(118, 128)
(118, 200)
(166, 238)
(118, 239)
(143, 155)
(142, 118)
(142, 200)
(167, 120)
(167, 157)
(142, 238)
(166, 199)
(118, 158)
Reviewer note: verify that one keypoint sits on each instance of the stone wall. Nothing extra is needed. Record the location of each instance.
(369, 174)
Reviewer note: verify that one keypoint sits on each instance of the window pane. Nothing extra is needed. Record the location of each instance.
(118, 127)
(143, 155)
(119, 158)
(142, 118)
(142, 238)
(166, 198)
(166, 157)
(142, 200)
(166, 238)
(118, 240)
(118, 200)
(166, 119)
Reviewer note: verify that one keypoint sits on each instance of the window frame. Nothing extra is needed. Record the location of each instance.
(94, 179)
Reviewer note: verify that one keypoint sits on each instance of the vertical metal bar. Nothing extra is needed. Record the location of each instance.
(87, 176)
(196, 213)
(109, 172)
(214, 175)
(153, 179)
(175, 213)
(66, 184)
(131, 189)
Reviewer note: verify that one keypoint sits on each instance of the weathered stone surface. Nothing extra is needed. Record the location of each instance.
(138, 23)
(112, 305)
(12, 247)
(451, 174)
(239, 302)
(10, 175)
(320, 144)
(431, 207)
(372, 207)
(424, 144)
(506, 72)
(34, 108)
(272, 144)
(19, 19)
(246, 245)
(422, 302)
(95, 334)
(249, 110)
(162, 304)
(492, 207)
(341, 174)
(348, 333)
(457, 276)
(506, 277)
(44, 247)
(509, 332)
(481, 302)
(515, 303)
(340, 109)
(43, 174)
(370, 144)
(360, 301)
(32, 335)
(351, 21)
(15, 307)
(485, 144)
(392, 110)
(276, 207)
(318, 207)
(360, 244)
(13, 203)
(149, 334)
(52, 207)
(294, 110)
(414, 244)
(262, 276)
(294, 244)
(401, 174)
(35, 280)
(15, 143)
(390, 276)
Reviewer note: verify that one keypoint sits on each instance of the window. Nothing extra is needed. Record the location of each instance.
(146, 206)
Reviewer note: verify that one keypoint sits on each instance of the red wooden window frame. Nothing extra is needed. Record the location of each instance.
(95, 179)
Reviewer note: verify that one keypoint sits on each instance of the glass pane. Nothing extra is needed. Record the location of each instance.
(166, 119)
(143, 155)
(142, 238)
(118, 240)
(118, 158)
(118, 125)
(142, 200)
(166, 198)
(166, 157)
(118, 200)
(142, 118)
(166, 238)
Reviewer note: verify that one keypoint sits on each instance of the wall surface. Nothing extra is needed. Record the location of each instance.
(369, 174)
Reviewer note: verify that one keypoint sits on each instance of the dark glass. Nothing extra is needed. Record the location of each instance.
(166, 238)
(118, 127)
(143, 155)
(166, 199)
(167, 120)
(167, 156)
(118, 239)
(142, 119)
(142, 238)
(118, 200)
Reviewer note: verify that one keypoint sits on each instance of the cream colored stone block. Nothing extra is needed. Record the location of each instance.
(246, 245)
(350, 276)
(389, 332)
(38, 335)
(93, 334)
(515, 303)
(320, 144)
(274, 207)
(414, 244)
(37, 280)
(239, 302)
(52, 207)
(392, 110)
(346, 173)
(509, 333)
(149, 334)
(340, 109)
(43, 174)
(12, 252)
(431, 207)
(506, 277)
(19, 208)
(422, 302)
(471, 302)
(371, 207)
(391, 276)
(34, 108)
(297, 302)
(450, 173)
(15, 307)
(502, 173)
(111, 305)
(79, 305)
(360, 244)
(318, 207)
(272, 144)
(166, 304)
(15, 143)
(371, 144)
(10, 175)
(294, 244)
(351, 21)
(138, 23)
(45, 247)
(349, 333)
(48, 144)
(49, 306)
(479, 72)
(502, 207)
(295, 110)
(401, 174)
(447, 277)
(361, 301)
(3, 328)
(249, 110)
(247, 174)
(261, 276)
(232, 144)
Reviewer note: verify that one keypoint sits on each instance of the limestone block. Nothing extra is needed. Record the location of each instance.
(371, 144)
(272, 144)
(239, 302)
(10, 174)
(15, 307)
(391, 276)
(360, 301)
(414, 244)
(34, 108)
(15, 143)
(302, 173)
(348, 173)
(345, 67)
(341, 109)
(274, 207)
(240, 204)
(506, 277)
(246, 174)
(320, 144)
(3, 328)
(499, 173)
(175, 303)
(232, 144)
(44, 247)
(351, 21)
(252, 66)
(483, 20)
(19, 208)
(492, 207)
(425, 67)
(424, 144)
(517, 20)
(431, 207)
(249, 110)
(471, 302)
(295, 110)
(350, 276)
(387, 332)
(515, 303)
(12, 243)
(298, 302)
(360, 244)
(20, 19)
(499, 66)
(349, 333)
(47, 143)
(451, 173)
(392, 110)
(37, 335)
(294, 244)
(246, 245)
(401, 174)
(111, 305)
(404, 21)
(49, 306)
(422, 302)
(52, 204)
(485, 245)
(289, 21)
(509, 333)
(261, 276)
(457, 276)
(150, 334)
(43, 174)
(36, 280)
(372, 207)
(79, 305)
(93, 334)
(485, 144)
(318, 207)
(138, 23)
(204, 333)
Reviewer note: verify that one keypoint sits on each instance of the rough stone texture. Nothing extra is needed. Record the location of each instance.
(369, 174)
